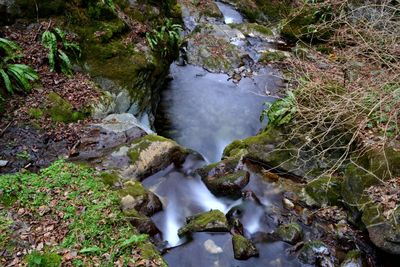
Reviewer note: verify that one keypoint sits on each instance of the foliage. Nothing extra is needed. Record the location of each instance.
(14, 76)
(36, 259)
(96, 226)
(56, 42)
(281, 111)
(166, 39)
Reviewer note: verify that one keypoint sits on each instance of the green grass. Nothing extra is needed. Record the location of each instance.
(77, 197)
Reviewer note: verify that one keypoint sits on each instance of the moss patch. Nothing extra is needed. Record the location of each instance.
(325, 190)
(212, 221)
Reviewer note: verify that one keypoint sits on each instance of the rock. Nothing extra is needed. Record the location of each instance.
(141, 222)
(151, 154)
(212, 221)
(211, 247)
(122, 102)
(249, 195)
(135, 196)
(290, 233)
(113, 131)
(3, 163)
(243, 248)
(316, 253)
(287, 204)
(353, 259)
(229, 184)
(324, 190)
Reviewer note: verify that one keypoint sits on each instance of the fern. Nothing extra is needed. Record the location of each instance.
(281, 111)
(14, 76)
(58, 45)
(166, 39)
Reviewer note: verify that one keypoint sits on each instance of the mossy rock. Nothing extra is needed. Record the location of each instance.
(272, 56)
(60, 110)
(212, 221)
(314, 252)
(243, 248)
(149, 252)
(152, 153)
(290, 233)
(135, 197)
(301, 26)
(110, 178)
(142, 223)
(253, 29)
(230, 184)
(325, 190)
(353, 259)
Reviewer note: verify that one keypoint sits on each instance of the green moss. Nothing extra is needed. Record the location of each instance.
(213, 221)
(149, 251)
(133, 188)
(243, 248)
(272, 56)
(38, 259)
(290, 233)
(142, 144)
(325, 190)
(60, 110)
(35, 113)
(109, 178)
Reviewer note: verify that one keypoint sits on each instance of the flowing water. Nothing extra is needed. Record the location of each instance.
(205, 112)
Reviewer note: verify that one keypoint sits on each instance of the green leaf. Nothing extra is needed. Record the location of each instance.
(7, 81)
(66, 66)
(133, 240)
(90, 249)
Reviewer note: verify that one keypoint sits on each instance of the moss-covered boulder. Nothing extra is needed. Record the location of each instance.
(271, 149)
(135, 196)
(141, 222)
(290, 233)
(273, 56)
(325, 190)
(230, 184)
(151, 154)
(243, 248)
(60, 110)
(211, 221)
(316, 253)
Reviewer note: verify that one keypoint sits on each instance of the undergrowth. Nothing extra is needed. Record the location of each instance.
(346, 98)
(86, 225)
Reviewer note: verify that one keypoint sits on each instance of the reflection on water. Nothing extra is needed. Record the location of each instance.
(205, 112)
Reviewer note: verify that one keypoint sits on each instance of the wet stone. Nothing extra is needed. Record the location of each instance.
(229, 184)
(212, 221)
(290, 233)
(243, 248)
(316, 253)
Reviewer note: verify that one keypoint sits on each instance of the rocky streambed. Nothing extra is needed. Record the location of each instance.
(251, 208)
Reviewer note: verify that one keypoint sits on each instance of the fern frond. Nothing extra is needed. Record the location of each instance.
(22, 74)
(7, 81)
(65, 64)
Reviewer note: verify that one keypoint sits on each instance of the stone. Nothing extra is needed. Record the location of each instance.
(150, 154)
(113, 131)
(324, 190)
(316, 252)
(353, 259)
(211, 221)
(122, 102)
(287, 204)
(3, 163)
(290, 233)
(243, 248)
(230, 185)
(141, 222)
(211, 247)
(135, 196)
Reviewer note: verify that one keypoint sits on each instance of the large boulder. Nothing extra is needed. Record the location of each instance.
(324, 190)
(211, 221)
(243, 248)
(111, 132)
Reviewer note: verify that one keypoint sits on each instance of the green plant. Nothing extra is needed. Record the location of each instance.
(166, 39)
(281, 111)
(58, 45)
(14, 76)
(37, 259)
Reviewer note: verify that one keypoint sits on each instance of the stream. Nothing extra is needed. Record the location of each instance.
(205, 112)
